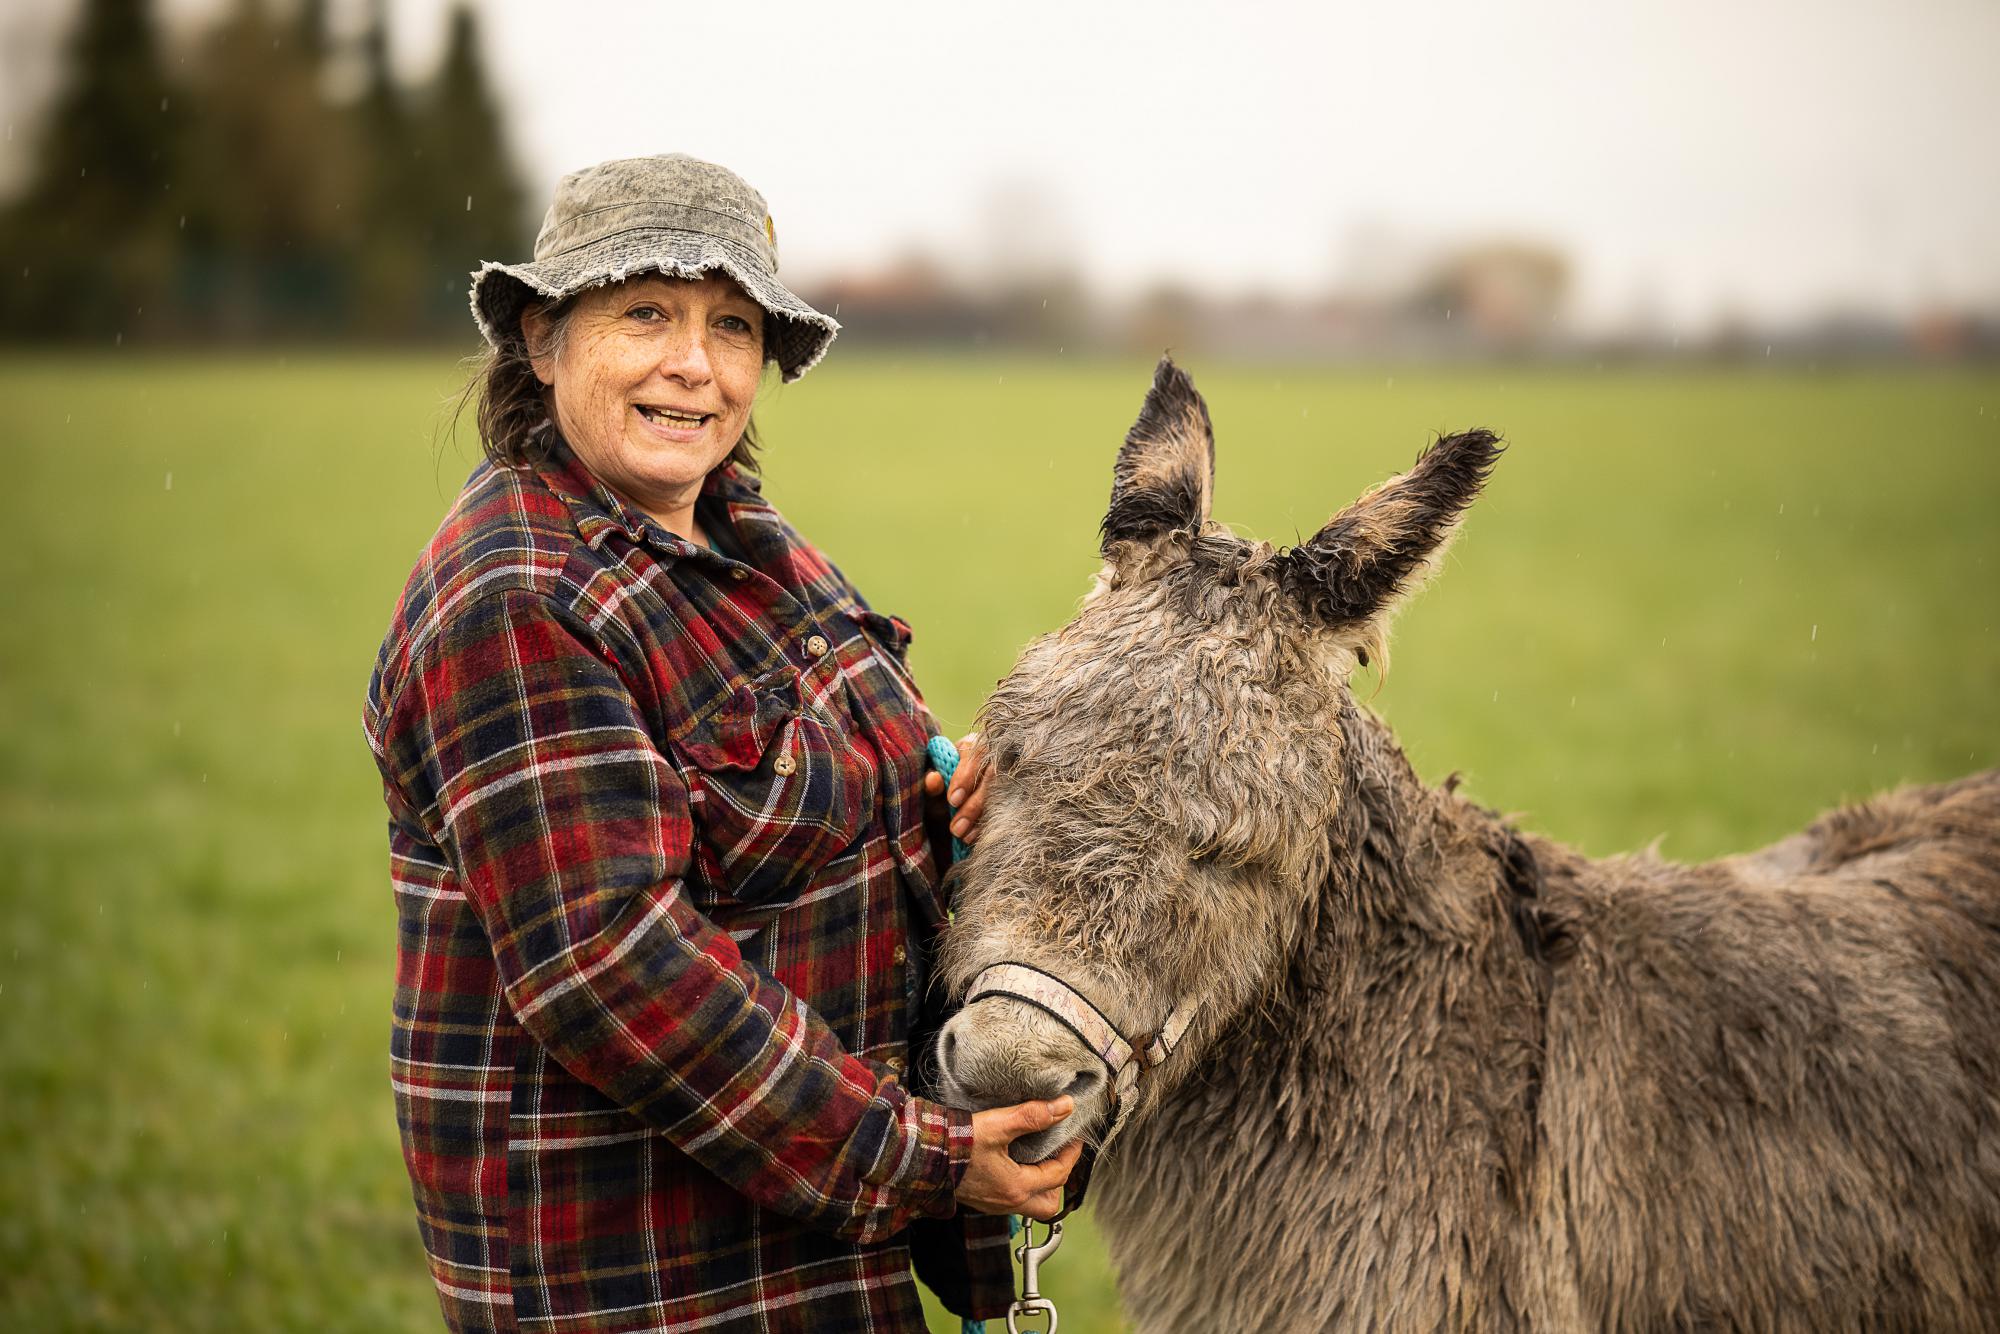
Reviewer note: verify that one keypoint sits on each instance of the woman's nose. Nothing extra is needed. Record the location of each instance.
(686, 359)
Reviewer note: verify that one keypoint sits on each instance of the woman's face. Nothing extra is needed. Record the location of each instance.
(654, 383)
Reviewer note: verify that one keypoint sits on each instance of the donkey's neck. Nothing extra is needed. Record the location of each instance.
(1407, 857)
(1430, 907)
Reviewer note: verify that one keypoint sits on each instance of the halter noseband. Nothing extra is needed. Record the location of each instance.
(1125, 1059)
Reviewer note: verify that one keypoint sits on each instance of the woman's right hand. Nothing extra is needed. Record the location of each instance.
(967, 798)
(995, 1184)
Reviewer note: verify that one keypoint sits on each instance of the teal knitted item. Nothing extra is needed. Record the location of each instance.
(944, 759)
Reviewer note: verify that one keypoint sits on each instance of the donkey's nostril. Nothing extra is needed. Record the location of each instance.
(1085, 1081)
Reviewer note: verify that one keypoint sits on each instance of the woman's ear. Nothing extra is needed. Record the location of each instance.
(535, 324)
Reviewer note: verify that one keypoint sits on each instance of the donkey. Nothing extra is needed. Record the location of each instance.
(1379, 1060)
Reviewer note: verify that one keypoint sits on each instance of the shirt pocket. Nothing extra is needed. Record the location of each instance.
(782, 789)
(888, 642)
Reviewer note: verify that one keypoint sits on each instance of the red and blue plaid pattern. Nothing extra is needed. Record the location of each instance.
(664, 890)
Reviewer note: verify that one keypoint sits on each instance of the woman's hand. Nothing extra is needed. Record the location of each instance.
(968, 788)
(995, 1184)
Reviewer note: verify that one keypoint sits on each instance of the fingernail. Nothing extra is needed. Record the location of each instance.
(1063, 1106)
(957, 795)
(959, 827)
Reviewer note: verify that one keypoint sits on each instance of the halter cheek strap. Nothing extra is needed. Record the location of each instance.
(1124, 1059)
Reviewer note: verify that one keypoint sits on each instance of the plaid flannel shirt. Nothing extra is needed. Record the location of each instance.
(664, 890)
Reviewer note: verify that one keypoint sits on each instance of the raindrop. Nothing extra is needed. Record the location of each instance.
(1389, 383)
(177, 727)
(120, 341)
(1767, 349)
(184, 221)
(1815, 635)
(1496, 697)
(170, 481)
(1572, 701)
(163, 104)
(1781, 507)
(468, 203)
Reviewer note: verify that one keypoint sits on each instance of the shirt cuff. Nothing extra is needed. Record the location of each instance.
(937, 1150)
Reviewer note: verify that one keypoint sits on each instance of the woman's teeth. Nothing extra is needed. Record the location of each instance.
(670, 417)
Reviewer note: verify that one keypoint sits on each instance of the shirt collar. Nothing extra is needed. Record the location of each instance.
(599, 511)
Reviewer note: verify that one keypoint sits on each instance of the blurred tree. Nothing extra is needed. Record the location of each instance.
(475, 196)
(251, 203)
(89, 245)
(390, 248)
(273, 172)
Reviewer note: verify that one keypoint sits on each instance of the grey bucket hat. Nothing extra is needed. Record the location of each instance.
(672, 214)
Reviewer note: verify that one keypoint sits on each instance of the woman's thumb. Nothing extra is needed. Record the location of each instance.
(1032, 1116)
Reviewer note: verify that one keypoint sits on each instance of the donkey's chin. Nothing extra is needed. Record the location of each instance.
(1084, 1121)
(1081, 1123)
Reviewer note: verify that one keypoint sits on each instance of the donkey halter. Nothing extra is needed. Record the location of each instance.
(1125, 1059)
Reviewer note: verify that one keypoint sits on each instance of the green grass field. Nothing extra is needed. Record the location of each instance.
(1702, 606)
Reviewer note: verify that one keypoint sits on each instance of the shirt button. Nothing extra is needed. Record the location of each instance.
(816, 645)
(785, 765)
(898, 954)
(738, 572)
(895, 1063)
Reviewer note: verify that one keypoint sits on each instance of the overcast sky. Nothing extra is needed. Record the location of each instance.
(1695, 158)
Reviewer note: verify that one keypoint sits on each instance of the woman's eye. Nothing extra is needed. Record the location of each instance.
(734, 324)
(646, 313)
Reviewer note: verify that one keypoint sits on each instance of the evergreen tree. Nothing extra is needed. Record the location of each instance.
(246, 203)
(91, 241)
(275, 170)
(476, 200)
(390, 254)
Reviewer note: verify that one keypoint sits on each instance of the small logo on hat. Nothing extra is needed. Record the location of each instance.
(771, 231)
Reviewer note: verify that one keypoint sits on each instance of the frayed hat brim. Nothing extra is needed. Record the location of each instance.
(797, 336)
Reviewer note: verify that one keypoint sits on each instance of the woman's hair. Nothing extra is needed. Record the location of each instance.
(513, 404)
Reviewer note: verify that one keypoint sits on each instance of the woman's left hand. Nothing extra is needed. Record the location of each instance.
(968, 788)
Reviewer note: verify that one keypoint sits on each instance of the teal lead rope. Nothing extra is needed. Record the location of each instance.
(944, 759)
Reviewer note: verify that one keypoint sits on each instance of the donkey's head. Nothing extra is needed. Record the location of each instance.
(1168, 762)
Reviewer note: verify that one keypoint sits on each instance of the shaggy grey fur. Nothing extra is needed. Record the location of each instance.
(1448, 1075)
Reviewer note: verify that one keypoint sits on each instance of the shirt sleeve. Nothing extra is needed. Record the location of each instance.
(516, 740)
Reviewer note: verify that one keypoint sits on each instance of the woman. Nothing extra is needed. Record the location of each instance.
(656, 780)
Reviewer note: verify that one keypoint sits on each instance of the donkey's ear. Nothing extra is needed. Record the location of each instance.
(1166, 468)
(1379, 548)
